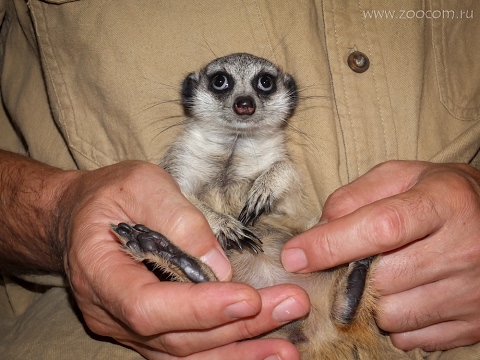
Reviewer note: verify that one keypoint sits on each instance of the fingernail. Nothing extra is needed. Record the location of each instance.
(294, 260)
(288, 310)
(219, 263)
(240, 310)
(273, 357)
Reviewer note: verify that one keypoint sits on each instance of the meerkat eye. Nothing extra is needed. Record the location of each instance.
(220, 82)
(265, 84)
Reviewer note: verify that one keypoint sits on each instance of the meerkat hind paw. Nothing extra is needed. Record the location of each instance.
(348, 301)
(158, 252)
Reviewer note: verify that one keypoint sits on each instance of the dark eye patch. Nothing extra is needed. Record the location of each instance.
(265, 84)
(220, 82)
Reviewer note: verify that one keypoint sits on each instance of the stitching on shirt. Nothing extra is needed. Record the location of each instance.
(45, 63)
(372, 67)
(438, 49)
(339, 57)
(50, 53)
(264, 27)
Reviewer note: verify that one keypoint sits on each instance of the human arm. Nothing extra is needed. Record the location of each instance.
(424, 218)
(55, 221)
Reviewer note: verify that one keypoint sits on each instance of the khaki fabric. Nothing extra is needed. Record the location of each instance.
(89, 83)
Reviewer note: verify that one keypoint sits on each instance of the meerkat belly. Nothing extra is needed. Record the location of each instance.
(226, 195)
(265, 269)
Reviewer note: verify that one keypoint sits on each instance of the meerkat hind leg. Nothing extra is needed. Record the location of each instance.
(347, 301)
(159, 253)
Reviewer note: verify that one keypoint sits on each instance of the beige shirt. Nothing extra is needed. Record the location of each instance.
(89, 83)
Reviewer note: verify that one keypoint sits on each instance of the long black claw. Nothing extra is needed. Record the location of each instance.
(141, 242)
(250, 214)
(252, 241)
(356, 281)
(244, 216)
(242, 239)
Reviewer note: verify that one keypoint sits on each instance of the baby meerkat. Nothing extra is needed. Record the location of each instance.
(231, 161)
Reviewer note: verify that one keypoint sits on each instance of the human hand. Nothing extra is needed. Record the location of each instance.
(425, 219)
(120, 298)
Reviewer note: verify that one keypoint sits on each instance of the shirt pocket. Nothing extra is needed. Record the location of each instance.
(455, 40)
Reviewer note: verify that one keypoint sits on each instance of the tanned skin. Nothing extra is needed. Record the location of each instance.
(58, 221)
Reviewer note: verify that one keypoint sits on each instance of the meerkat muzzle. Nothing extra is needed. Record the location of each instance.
(244, 105)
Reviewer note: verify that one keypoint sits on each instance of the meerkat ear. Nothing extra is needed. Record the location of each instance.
(188, 89)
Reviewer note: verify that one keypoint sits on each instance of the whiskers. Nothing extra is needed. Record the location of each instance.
(154, 105)
(309, 98)
(184, 121)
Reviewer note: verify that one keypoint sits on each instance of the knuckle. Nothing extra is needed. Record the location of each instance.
(403, 341)
(95, 326)
(245, 331)
(466, 189)
(135, 318)
(458, 190)
(339, 203)
(175, 344)
(391, 166)
(330, 250)
(388, 227)
(198, 313)
(386, 315)
(456, 181)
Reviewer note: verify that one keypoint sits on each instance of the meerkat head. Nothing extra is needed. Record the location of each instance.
(240, 91)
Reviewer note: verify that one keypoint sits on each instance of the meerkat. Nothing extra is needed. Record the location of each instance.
(231, 161)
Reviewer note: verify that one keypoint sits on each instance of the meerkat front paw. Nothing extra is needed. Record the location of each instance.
(279, 179)
(160, 255)
(260, 201)
(232, 234)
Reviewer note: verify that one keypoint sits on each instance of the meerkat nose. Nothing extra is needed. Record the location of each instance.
(244, 105)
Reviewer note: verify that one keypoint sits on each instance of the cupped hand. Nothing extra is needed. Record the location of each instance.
(120, 298)
(425, 220)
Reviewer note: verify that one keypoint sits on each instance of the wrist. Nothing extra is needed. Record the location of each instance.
(32, 205)
(62, 197)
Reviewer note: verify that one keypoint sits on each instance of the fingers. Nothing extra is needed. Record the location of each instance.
(139, 192)
(415, 315)
(222, 313)
(164, 208)
(384, 180)
(438, 195)
(280, 305)
(263, 349)
(120, 298)
(441, 336)
(169, 308)
(135, 297)
(420, 307)
(423, 262)
(161, 315)
(423, 219)
(373, 229)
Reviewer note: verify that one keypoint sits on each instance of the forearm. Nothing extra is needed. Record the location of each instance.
(32, 214)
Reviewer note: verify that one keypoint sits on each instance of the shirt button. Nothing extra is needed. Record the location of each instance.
(358, 62)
